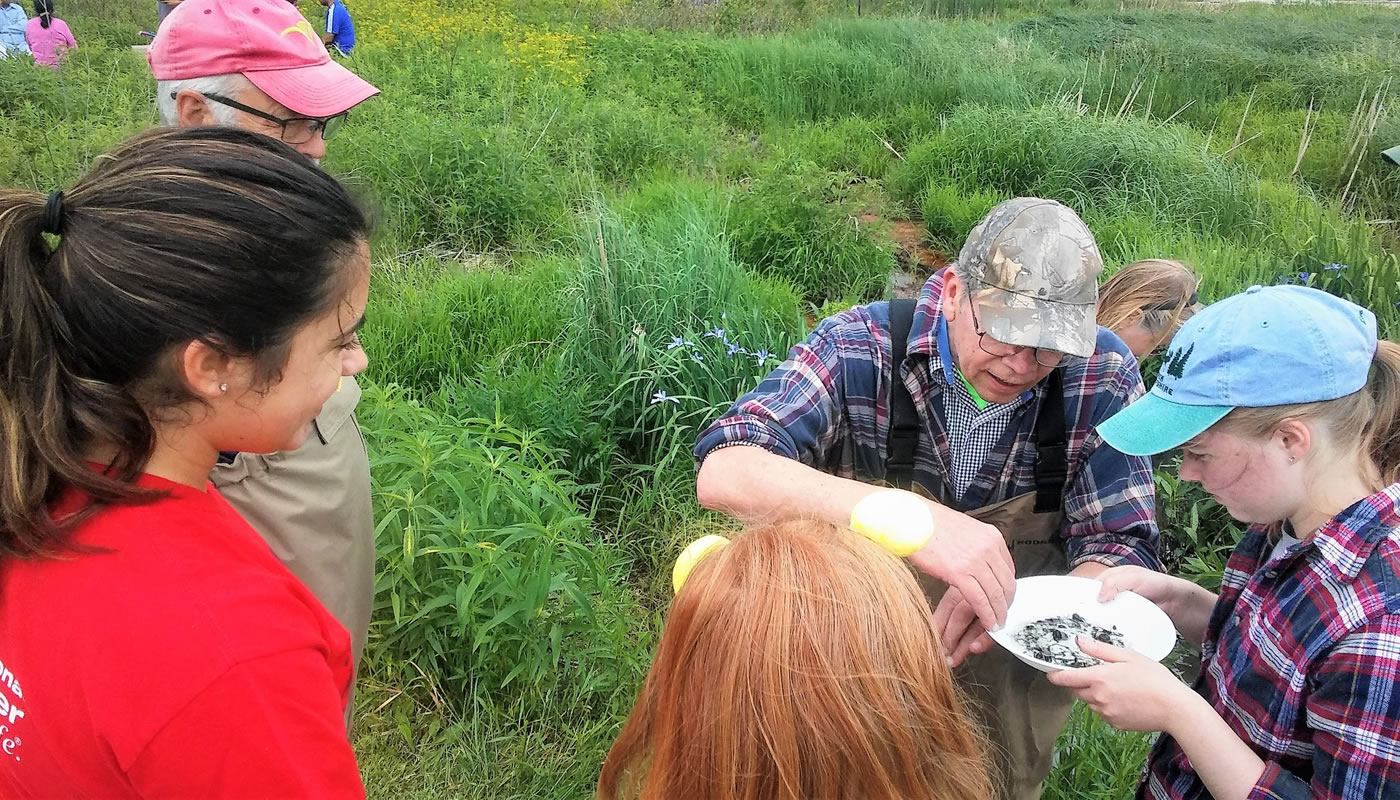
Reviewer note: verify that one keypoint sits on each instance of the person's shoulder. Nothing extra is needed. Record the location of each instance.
(856, 332)
(855, 321)
(1110, 349)
(176, 592)
(1377, 519)
(186, 563)
(1111, 363)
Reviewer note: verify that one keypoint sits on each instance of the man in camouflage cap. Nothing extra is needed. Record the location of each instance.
(980, 397)
(1040, 267)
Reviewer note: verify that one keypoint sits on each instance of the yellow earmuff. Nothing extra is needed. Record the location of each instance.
(898, 521)
(691, 556)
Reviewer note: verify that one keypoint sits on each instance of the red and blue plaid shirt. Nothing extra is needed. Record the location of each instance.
(1302, 659)
(827, 406)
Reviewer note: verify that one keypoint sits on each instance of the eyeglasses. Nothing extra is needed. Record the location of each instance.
(1043, 356)
(295, 130)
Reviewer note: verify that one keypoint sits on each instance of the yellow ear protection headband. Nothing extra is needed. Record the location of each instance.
(691, 556)
(898, 521)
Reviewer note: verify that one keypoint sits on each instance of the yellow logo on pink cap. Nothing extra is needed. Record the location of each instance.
(304, 28)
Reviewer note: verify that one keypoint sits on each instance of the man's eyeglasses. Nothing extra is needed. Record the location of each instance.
(295, 130)
(1043, 356)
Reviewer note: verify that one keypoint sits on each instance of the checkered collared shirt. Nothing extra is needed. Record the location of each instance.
(827, 406)
(972, 432)
(1302, 659)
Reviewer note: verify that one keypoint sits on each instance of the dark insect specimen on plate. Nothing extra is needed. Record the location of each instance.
(1052, 639)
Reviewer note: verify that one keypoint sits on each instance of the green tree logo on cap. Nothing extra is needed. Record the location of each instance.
(1175, 363)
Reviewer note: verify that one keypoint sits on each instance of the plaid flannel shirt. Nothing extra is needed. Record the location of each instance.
(1302, 659)
(827, 406)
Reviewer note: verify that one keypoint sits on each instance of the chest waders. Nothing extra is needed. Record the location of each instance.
(1020, 710)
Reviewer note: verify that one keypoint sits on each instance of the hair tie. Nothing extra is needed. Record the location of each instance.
(53, 214)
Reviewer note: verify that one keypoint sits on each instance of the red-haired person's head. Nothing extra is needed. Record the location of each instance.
(798, 662)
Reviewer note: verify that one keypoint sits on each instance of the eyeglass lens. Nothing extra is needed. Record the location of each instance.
(1044, 357)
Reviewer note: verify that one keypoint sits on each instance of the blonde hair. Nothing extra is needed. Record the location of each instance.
(1367, 421)
(799, 661)
(1164, 291)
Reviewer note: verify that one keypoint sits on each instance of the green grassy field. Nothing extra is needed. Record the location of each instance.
(567, 186)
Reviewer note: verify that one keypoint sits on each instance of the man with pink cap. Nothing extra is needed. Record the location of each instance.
(256, 64)
(259, 65)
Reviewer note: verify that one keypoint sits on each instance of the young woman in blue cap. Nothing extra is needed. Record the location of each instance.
(1287, 408)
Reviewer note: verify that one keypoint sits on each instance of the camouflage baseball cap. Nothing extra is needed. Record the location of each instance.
(1033, 267)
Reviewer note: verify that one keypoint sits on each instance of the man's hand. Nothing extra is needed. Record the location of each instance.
(971, 557)
(961, 632)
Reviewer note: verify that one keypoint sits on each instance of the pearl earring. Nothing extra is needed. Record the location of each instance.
(223, 387)
(1292, 459)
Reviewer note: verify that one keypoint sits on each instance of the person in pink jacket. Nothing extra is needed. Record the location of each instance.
(47, 35)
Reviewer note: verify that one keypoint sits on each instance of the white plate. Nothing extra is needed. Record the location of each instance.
(1145, 627)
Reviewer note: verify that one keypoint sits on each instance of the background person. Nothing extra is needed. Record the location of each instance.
(152, 645)
(269, 74)
(1288, 410)
(163, 9)
(798, 661)
(13, 21)
(1147, 301)
(340, 29)
(1003, 376)
(47, 35)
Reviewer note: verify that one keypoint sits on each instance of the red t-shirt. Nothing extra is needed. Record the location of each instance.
(187, 662)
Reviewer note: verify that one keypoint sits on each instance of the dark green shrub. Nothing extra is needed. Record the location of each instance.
(799, 223)
(488, 576)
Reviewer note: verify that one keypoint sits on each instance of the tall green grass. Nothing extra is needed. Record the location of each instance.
(440, 319)
(1148, 190)
(656, 273)
(802, 224)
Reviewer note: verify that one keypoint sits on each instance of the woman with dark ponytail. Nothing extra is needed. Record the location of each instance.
(200, 290)
(47, 35)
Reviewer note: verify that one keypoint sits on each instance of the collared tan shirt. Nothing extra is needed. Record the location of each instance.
(312, 506)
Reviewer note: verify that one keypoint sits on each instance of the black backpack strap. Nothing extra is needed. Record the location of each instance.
(904, 418)
(1051, 447)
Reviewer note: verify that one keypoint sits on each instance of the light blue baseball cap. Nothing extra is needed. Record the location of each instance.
(1268, 346)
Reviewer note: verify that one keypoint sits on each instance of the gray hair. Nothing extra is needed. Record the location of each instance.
(230, 86)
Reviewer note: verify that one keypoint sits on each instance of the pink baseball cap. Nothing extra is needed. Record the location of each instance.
(268, 41)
